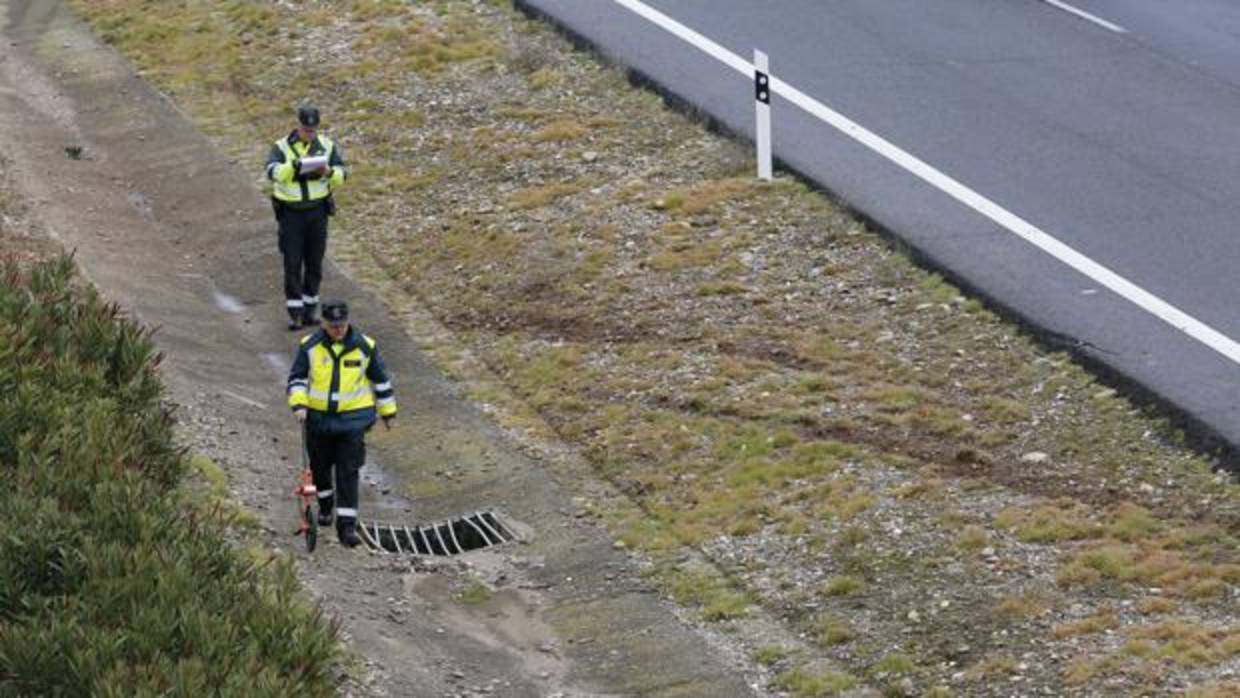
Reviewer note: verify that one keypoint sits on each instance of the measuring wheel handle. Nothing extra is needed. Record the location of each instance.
(308, 493)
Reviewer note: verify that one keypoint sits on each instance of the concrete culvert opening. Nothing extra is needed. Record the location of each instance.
(452, 537)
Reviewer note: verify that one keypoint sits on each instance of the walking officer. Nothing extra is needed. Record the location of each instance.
(304, 168)
(337, 384)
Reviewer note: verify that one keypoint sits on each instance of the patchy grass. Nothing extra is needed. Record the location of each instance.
(834, 631)
(714, 596)
(1133, 523)
(476, 592)
(770, 655)
(544, 78)
(711, 195)
(993, 667)
(217, 496)
(896, 663)
(1189, 643)
(844, 585)
(1024, 605)
(1182, 643)
(1106, 619)
(973, 539)
(1082, 670)
(744, 361)
(1157, 605)
(731, 288)
(1152, 563)
(1063, 521)
(537, 197)
(807, 684)
(560, 131)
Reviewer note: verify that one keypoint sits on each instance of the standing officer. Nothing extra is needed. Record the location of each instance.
(304, 168)
(334, 387)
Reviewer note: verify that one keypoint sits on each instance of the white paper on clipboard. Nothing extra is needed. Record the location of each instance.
(313, 164)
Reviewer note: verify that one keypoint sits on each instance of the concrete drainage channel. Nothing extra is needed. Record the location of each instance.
(452, 537)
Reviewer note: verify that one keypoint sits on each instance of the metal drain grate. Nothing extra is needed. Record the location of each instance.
(460, 535)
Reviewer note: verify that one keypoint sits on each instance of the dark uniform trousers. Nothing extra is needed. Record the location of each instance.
(347, 452)
(303, 241)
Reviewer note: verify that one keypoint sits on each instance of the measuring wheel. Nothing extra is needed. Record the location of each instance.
(306, 495)
(311, 530)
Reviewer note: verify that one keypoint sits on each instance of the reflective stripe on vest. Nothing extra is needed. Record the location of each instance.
(338, 397)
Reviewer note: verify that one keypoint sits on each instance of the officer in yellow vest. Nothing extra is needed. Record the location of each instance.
(304, 168)
(336, 386)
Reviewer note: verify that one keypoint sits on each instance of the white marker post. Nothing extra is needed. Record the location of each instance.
(762, 101)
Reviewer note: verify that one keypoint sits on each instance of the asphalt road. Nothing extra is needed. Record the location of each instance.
(1082, 170)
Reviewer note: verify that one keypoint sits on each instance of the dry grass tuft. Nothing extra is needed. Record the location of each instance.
(992, 667)
(1106, 619)
(545, 195)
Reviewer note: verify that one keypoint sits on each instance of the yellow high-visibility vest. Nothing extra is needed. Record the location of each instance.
(337, 380)
(286, 185)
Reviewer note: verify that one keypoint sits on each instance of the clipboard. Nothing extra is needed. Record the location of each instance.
(313, 164)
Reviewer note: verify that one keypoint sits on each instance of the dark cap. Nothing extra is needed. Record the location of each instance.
(308, 116)
(335, 311)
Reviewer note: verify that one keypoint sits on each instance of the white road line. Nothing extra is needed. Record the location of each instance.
(1147, 301)
(711, 48)
(1086, 16)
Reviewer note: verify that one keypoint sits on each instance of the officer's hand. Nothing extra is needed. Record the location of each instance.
(387, 422)
(300, 414)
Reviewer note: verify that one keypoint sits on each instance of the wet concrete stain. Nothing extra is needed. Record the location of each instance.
(225, 302)
(279, 363)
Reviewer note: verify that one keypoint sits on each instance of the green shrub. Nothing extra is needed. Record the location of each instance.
(110, 583)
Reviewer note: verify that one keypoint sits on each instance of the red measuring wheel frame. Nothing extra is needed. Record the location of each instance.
(306, 494)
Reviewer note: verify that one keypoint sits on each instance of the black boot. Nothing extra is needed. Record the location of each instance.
(310, 315)
(294, 319)
(325, 517)
(346, 531)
